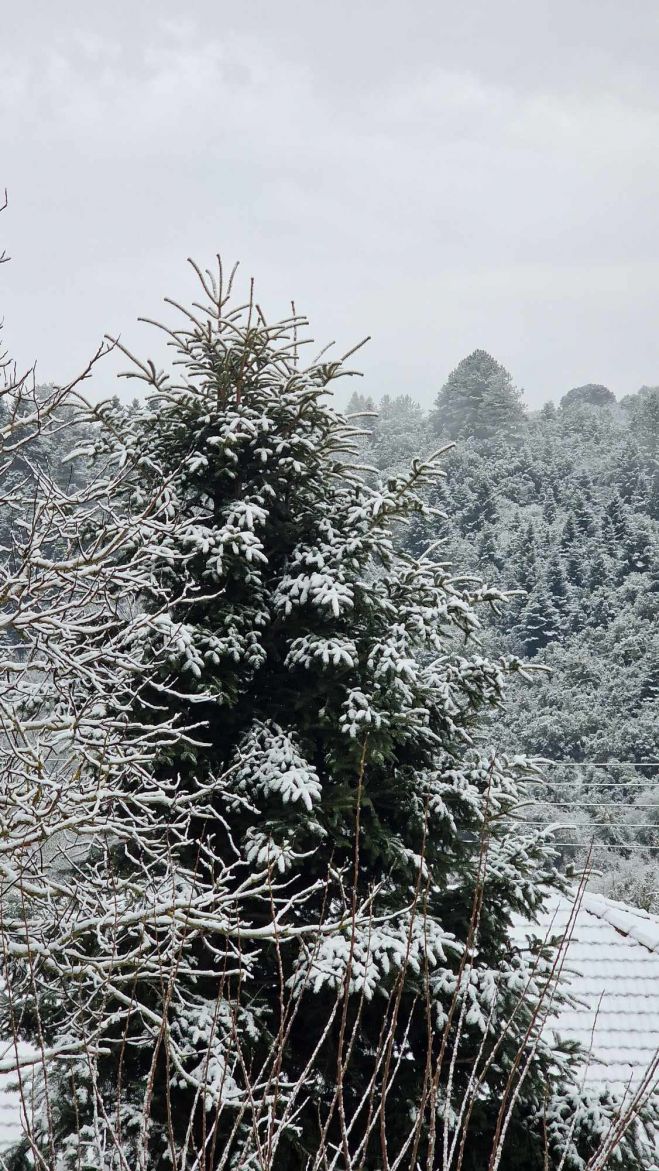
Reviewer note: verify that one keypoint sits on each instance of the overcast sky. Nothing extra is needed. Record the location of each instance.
(440, 175)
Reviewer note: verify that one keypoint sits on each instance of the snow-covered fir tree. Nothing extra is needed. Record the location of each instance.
(278, 936)
(592, 394)
(478, 399)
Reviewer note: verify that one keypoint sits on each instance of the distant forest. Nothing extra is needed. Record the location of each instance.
(560, 507)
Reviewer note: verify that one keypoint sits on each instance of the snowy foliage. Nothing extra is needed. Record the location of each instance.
(257, 867)
(564, 509)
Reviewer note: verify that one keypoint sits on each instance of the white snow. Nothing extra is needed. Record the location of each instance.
(13, 1100)
(611, 968)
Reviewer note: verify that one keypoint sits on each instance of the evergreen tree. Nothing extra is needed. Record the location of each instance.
(549, 509)
(574, 567)
(525, 558)
(488, 553)
(601, 609)
(583, 516)
(609, 540)
(569, 534)
(643, 412)
(362, 410)
(359, 404)
(598, 573)
(548, 412)
(616, 514)
(294, 921)
(540, 623)
(399, 434)
(481, 509)
(650, 685)
(653, 496)
(486, 504)
(593, 394)
(479, 400)
(643, 492)
(640, 550)
(630, 473)
(556, 585)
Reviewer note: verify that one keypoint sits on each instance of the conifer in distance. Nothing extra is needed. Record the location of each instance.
(478, 400)
(593, 394)
(315, 969)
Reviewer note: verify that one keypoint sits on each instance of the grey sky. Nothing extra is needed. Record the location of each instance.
(440, 175)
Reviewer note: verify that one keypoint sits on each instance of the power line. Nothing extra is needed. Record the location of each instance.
(597, 804)
(596, 763)
(606, 845)
(594, 824)
(600, 784)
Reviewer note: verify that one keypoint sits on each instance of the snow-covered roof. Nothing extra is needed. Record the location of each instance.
(611, 968)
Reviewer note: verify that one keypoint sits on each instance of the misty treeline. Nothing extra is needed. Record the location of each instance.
(560, 505)
(261, 816)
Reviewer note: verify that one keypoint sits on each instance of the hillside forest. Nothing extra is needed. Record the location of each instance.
(559, 508)
(302, 708)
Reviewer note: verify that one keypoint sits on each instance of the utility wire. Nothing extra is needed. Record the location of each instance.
(595, 763)
(600, 784)
(596, 804)
(605, 845)
(595, 825)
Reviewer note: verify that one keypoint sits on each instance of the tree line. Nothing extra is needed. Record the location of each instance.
(261, 848)
(560, 507)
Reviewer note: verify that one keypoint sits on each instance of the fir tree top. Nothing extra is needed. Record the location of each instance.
(593, 394)
(478, 400)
